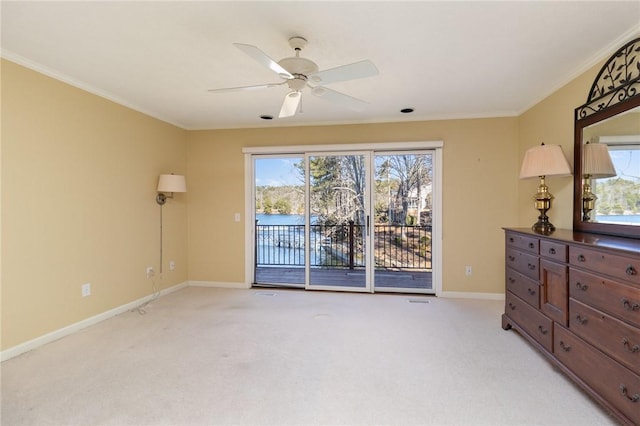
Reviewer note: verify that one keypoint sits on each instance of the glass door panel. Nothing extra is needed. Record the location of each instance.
(279, 246)
(338, 222)
(402, 224)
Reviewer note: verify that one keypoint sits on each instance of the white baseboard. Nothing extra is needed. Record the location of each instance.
(218, 284)
(467, 295)
(70, 329)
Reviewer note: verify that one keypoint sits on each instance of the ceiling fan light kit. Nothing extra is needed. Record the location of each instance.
(299, 72)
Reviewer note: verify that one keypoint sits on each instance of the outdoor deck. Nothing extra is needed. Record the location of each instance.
(344, 277)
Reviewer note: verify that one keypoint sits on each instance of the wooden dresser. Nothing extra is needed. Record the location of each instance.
(576, 297)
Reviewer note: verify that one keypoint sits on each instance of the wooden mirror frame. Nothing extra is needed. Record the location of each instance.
(615, 90)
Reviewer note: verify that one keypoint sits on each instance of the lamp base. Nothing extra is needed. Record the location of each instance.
(543, 226)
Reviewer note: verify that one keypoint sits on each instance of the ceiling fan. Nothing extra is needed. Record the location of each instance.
(299, 73)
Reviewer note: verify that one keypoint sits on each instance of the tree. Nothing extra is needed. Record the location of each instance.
(413, 174)
(283, 206)
(267, 206)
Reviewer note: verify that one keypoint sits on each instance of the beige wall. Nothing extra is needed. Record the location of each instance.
(479, 192)
(78, 187)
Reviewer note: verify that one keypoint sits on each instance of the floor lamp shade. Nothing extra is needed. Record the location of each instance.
(172, 183)
(541, 161)
(168, 184)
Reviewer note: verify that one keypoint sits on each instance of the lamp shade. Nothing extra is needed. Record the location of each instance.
(596, 161)
(544, 160)
(172, 183)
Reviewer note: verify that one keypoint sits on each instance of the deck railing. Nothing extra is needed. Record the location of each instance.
(395, 246)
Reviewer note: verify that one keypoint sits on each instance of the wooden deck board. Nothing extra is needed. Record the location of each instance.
(341, 277)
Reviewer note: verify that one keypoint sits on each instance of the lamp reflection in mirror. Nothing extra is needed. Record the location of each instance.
(596, 164)
(541, 161)
(167, 185)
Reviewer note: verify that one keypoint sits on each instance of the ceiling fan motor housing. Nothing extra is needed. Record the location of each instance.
(300, 68)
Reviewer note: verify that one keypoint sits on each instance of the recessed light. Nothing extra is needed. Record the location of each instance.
(267, 117)
(406, 110)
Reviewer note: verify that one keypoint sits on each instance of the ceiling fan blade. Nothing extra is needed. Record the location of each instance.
(339, 98)
(360, 69)
(264, 59)
(290, 104)
(242, 88)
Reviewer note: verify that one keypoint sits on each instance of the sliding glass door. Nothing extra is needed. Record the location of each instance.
(346, 220)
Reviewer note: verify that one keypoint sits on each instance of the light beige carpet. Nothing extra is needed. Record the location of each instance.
(205, 356)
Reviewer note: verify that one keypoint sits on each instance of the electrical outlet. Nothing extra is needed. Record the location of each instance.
(172, 265)
(468, 270)
(150, 272)
(86, 289)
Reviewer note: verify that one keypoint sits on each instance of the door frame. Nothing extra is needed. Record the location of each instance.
(249, 181)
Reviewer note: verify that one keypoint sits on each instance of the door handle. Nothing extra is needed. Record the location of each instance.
(367, 225)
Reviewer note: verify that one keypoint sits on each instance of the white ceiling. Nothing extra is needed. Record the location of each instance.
(448, 59)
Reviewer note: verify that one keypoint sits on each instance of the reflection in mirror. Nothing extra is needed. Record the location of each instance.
(616, 194)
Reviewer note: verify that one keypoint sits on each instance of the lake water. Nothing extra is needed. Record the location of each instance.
(283, 219)
(280, 219)
(281, 241)
(626, 219)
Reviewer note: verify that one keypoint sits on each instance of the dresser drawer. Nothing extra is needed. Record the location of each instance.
(614, 298)
(532, 321)
(625, 268)
(554, 251)
(524, 263)
(522, 242)
(619, 340)
(523, 287)
(615, 383)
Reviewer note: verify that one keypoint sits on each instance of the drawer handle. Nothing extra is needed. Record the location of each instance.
(531, 291)
(511, 239)
(581, 258)
(564, 346)
(582, 320)
(512, 306)
(552, 251)
(512, 280)
(631, 271)
(628, 347)
(531, 245)
(543, 330)
(634, 398)
(531, 266)
(512, 258)
(581, 286)
(630, 306)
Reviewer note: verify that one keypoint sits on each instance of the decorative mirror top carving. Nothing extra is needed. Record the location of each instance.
(618, 81)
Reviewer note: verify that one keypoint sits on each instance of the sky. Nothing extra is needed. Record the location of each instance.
(626, 162)
(277, 171)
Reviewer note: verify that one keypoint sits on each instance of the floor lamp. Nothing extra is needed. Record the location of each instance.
(167, 186)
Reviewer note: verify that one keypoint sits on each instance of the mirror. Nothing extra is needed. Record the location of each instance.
(611, 116)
